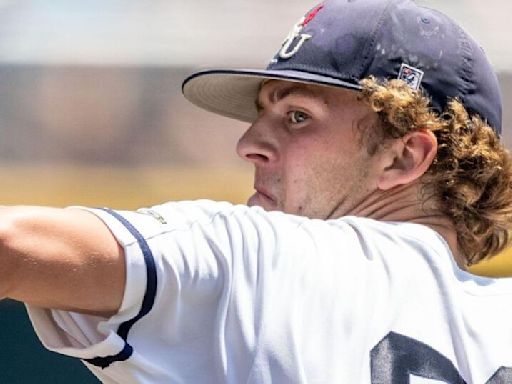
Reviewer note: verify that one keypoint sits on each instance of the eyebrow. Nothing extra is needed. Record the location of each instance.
(281, 93)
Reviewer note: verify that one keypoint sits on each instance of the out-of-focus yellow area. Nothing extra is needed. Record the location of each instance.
(498, 266)
(119, 188)
(133, 188)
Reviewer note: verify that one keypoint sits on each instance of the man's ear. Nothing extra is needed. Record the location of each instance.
(407, 159)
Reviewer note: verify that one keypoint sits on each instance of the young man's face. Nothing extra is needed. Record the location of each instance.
(307, 152)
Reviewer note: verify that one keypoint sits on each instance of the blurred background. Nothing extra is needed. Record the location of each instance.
(91, 113)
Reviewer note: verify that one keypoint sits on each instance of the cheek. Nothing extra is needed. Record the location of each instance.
(319, 160)
(310, 177)
(340, 169)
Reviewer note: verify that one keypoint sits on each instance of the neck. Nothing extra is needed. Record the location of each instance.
(408, 203)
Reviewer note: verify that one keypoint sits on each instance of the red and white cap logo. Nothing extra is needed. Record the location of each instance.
(291, 45)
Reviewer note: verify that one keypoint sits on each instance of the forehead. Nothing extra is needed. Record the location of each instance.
(275, 90)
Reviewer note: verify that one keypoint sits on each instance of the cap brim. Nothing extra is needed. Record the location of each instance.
(233, 92)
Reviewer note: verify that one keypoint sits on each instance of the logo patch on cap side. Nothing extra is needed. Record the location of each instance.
(412, 76)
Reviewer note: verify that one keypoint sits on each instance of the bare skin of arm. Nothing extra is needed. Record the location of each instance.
(61, 259)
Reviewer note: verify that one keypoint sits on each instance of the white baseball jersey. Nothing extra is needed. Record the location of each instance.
(218, 293)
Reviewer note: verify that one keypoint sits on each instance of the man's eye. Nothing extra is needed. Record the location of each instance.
(297, 117)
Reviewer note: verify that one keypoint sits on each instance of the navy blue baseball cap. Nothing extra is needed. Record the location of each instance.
(340, 42)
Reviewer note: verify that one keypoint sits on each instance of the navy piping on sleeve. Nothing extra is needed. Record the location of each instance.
(147, 301)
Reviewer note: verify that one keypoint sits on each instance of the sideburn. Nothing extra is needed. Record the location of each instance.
(369, 133)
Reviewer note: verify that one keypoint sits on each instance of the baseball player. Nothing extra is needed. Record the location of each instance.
(379, 177)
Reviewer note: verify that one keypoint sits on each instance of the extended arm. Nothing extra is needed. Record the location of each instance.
(60, 259)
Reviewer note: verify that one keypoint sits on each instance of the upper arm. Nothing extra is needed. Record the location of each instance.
(61, 259)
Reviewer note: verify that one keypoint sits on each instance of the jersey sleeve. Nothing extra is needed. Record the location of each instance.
(90, 337)
(180, 259)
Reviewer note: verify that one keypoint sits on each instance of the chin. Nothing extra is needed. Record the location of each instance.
(263, 201)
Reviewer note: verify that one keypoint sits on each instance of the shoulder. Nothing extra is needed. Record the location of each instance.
(400, 245)
(395, 231)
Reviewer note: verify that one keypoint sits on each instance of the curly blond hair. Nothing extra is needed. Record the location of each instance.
(471, 176)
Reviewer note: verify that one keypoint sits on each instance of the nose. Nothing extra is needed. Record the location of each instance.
(256, 144)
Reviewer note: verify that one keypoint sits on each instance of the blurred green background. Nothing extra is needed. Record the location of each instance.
(91, 113)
